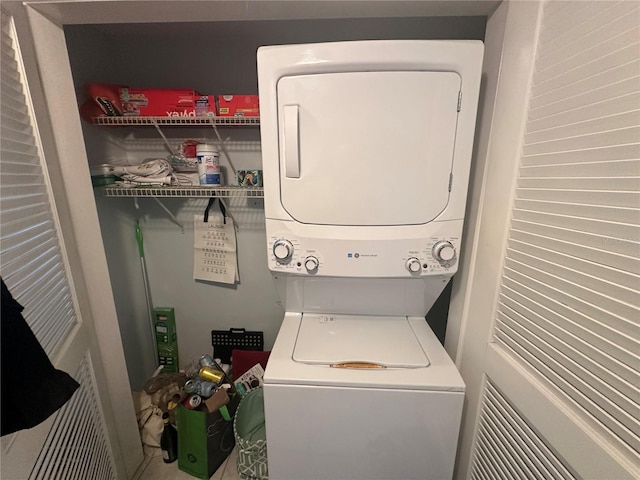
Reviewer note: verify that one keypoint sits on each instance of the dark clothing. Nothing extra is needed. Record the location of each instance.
(32, 389)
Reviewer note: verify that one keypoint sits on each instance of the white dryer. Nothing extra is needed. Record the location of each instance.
(366, 152)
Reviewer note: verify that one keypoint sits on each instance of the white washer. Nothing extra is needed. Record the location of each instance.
(366, 153)
(399, 422)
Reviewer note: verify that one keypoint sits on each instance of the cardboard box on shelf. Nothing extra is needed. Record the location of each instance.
(238, 106)
(157, 102)
(205, 105)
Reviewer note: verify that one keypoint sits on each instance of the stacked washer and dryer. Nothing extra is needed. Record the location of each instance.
(366, 154)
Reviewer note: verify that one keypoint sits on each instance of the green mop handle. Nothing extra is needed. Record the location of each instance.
(139, 240)
(147, 293)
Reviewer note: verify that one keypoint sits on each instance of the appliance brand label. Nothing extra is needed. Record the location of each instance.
(358, 255)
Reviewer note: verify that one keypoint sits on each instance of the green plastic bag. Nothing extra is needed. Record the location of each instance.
(204, 439)
(251, 439)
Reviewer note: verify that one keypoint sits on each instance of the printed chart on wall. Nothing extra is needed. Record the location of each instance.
(214, 249)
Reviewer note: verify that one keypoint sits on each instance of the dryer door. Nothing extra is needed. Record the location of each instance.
(367, 148)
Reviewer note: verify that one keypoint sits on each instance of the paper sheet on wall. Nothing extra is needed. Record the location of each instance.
(214, 249)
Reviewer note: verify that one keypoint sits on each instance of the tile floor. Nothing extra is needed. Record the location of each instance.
(153, 468)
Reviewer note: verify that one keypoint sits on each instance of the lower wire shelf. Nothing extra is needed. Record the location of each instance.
(225, 191)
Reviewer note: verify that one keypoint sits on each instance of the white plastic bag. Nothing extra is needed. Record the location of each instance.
(150, 423)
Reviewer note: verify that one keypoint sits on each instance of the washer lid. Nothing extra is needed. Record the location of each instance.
(328, 339)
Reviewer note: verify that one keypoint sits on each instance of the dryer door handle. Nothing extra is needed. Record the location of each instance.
(291, 141)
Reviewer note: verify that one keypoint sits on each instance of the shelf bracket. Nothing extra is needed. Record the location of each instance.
(166, 142)
(172, 217)
(229, 213)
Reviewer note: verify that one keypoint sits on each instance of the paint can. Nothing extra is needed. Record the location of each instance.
(208, 164)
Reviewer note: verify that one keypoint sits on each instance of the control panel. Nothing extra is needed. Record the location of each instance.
(290, 255)
(381, 258)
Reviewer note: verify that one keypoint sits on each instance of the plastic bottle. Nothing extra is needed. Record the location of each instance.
(169, 441)
(208, 164)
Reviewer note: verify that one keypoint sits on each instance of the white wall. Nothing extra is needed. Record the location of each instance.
(213, 58)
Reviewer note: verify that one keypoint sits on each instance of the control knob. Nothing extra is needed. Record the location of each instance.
(413, 265)
(283, 250)
(444, 251)
(311, 264)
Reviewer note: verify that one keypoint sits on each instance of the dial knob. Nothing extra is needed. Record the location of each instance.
(283, 250)
(444, 251)
(311, 264)
(413, 265)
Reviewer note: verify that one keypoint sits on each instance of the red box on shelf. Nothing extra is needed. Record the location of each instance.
(157, 102)
(238, 106)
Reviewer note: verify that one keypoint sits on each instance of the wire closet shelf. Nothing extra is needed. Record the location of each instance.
(181, 191)
(226, 191)
(177, 121)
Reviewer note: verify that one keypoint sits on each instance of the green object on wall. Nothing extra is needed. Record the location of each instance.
(164, 327)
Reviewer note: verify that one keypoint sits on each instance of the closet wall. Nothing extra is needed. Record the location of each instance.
(213, 58)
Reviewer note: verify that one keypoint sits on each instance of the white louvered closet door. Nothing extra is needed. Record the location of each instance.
(72, 443)
(561, 395)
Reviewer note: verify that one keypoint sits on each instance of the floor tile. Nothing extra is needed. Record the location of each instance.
(231, 470)
(156, 469)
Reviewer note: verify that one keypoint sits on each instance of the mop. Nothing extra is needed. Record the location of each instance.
(147, 291)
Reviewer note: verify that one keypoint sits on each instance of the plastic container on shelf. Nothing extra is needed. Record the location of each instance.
(208, 164)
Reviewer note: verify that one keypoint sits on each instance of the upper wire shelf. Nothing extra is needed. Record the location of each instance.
(226, 191)
(177, 121)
